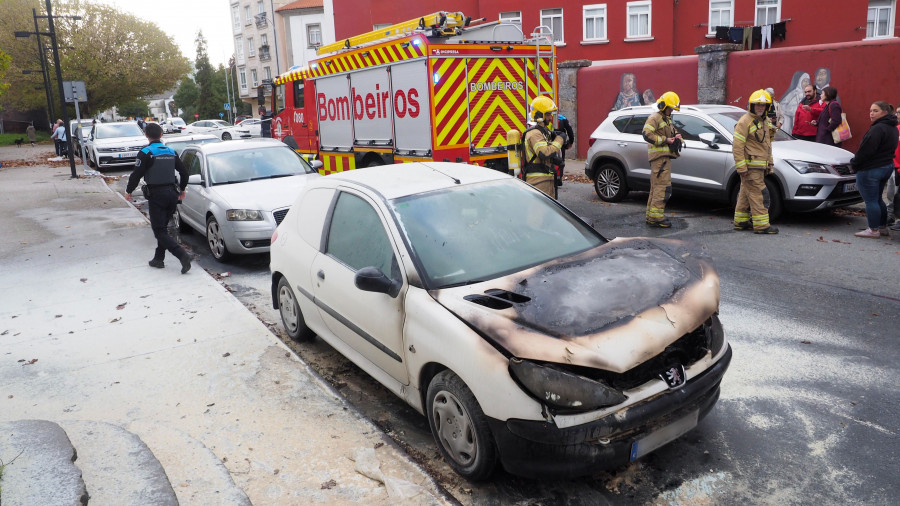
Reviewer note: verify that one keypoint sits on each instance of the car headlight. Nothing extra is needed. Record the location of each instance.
(563, 389)
(105, 150)
(810, 167)
(244, 215)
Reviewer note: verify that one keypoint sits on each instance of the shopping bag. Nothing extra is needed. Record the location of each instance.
(842, 132)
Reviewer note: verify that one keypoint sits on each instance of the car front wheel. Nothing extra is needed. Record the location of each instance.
(460, 427)
(609, 183)
(291, 316)
(216, 240)
(226, 136)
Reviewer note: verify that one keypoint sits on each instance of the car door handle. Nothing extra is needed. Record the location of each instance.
(622, 144)
(321, 274)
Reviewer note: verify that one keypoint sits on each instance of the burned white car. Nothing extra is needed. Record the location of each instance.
(523, 335)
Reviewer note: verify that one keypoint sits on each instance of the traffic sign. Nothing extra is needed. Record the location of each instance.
(196, 116)
(221, 114)
(227, 107)
(74, 91)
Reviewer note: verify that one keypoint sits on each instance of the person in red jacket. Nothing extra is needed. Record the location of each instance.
(892, 196)
(807, 115)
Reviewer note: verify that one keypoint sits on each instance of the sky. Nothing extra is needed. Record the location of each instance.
(183, 18)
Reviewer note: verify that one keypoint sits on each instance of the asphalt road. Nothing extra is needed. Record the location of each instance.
(809, 408)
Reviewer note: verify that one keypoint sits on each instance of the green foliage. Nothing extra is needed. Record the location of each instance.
(119, 56)
(4, 66)
(134, 109)
(206, 93)
(10, 139)
(186, 98)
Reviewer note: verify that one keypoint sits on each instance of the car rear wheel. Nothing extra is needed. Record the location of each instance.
(291, 316)
(610, 184)
(216, 240)
(182, 227)
(460, 427)
(226, 136)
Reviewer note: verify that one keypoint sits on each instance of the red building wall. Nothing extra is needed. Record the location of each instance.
(677, 26)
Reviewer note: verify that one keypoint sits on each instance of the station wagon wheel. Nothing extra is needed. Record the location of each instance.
(179, 223)
(291, 316)
(216, 240)
(460, 427)
(226, 136)
(610, 184)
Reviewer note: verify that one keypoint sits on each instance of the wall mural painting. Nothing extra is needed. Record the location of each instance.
(629, 95)
(794, 94)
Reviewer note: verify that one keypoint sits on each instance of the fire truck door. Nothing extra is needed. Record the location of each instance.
(496, 96)
(412, 116)
(302, 126)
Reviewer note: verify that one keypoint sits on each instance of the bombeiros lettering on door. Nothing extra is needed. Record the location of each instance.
(497, 86)
(378, 104)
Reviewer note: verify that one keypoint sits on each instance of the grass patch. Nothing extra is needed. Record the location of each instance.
(10, 139)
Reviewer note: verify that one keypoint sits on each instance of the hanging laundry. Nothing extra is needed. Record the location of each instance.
(757, 35)
(722, 33)
(766, 36)
(748, 37)
(736, 34)
(779, 30)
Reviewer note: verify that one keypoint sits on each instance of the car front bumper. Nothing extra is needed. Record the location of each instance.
(538, 449)
(244, 238)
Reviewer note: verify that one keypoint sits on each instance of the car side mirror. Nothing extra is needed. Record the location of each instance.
(709, 139)
(316, 164)
(370, 279)
(195, 179)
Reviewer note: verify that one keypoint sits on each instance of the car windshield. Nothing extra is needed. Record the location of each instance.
(473, 233)
(120, 130)
(255, 163)
(729, 119)
(178, 145)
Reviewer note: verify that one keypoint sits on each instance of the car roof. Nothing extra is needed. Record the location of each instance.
(238, 145)
(403, 179)
(188, 137)
(704, 108)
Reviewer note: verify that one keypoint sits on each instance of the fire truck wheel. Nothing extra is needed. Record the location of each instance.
(372, 161)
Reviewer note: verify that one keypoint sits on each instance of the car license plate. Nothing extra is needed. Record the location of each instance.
(663, 436)
(849, 187)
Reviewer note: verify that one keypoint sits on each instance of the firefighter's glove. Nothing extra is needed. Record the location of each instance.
(561, 136)
(676, 146)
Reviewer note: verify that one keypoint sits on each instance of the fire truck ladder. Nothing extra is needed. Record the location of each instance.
(543, 34)
(440, 23)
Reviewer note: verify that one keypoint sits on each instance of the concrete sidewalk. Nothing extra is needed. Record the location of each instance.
(90, 332)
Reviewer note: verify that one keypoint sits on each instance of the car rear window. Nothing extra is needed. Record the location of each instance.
(621, 122)
(636, 125)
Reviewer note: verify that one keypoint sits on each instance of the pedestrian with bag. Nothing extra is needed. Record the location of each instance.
(830, 118)
(157, 165)
(663, 144)
(752, 150)
(874, 164)
(807, 115)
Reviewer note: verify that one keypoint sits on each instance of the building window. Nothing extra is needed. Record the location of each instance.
(260, 8)
(236, 17)
(638, 20)
(254, 78)
(251, 47)
(242, 75)
(514, 17)
(248, 18)
(595, 22)
(553, 18)
(264, 40)
(878, 22)
(268, 73)
(721, 13)
(768, 12)
(239, 48)
(314, 35)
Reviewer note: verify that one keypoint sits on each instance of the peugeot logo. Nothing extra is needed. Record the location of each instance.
(673, 376)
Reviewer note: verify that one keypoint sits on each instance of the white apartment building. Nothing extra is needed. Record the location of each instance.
(271, 36)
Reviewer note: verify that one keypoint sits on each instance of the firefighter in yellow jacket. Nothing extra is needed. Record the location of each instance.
(664, 144)
(543, 147)
(752, 151)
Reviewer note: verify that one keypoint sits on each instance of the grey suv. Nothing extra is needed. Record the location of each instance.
(807, 176)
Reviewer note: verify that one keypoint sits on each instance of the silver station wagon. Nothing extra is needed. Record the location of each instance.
(807, 176)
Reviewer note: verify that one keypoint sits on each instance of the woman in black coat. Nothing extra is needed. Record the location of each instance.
(874, 164)
(829, 118)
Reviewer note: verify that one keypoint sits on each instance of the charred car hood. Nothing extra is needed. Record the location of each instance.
(611, 307)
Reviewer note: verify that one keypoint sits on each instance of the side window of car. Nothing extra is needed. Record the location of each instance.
(636, 125)
(691, 127)
(621, 122)
(357, 237)
(187, 159)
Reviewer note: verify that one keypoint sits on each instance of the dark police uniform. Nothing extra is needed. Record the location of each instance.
(157, 164)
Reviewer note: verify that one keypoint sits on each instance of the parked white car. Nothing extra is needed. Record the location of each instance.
(173, 125)
(80, 130)
(179, 142)
(238, 192)
(521, 333)
(253, 125)
(115, 144)
(218, 128)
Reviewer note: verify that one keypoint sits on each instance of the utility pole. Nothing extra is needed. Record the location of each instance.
(45, 73)
(59, 82)
(228, 92)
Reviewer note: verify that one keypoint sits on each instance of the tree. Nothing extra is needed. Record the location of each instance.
(186, 98)
(134, 109)
(4, 65)
(204, 79)
(117, 55)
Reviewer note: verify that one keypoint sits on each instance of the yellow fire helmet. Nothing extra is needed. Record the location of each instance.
(669, 99)
(542, 105)
(759, 97)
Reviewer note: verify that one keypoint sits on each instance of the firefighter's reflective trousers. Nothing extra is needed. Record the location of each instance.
(660, 188)
(753, 200)
(542, 181)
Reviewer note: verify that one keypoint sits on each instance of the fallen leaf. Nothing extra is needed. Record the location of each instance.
(84, 280)
(10, 396)
(821, 239)
(328, 485)
(835, 240)
(805, 342)
(59, 316)
(114, 320)
(210, 405)
(121, 306)
(277, 471)
(875, 314)
(31, 361)
(227, 354)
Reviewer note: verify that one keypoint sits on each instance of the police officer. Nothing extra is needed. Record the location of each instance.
(752, 151)
(157, 164)
(664, 144)
(543, 148)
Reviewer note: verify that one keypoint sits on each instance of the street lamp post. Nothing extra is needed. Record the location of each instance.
(44, 73)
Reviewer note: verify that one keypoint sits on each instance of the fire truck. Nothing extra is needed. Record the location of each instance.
(440, 87)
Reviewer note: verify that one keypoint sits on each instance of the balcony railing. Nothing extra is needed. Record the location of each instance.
(261, 21)
(264, 53)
